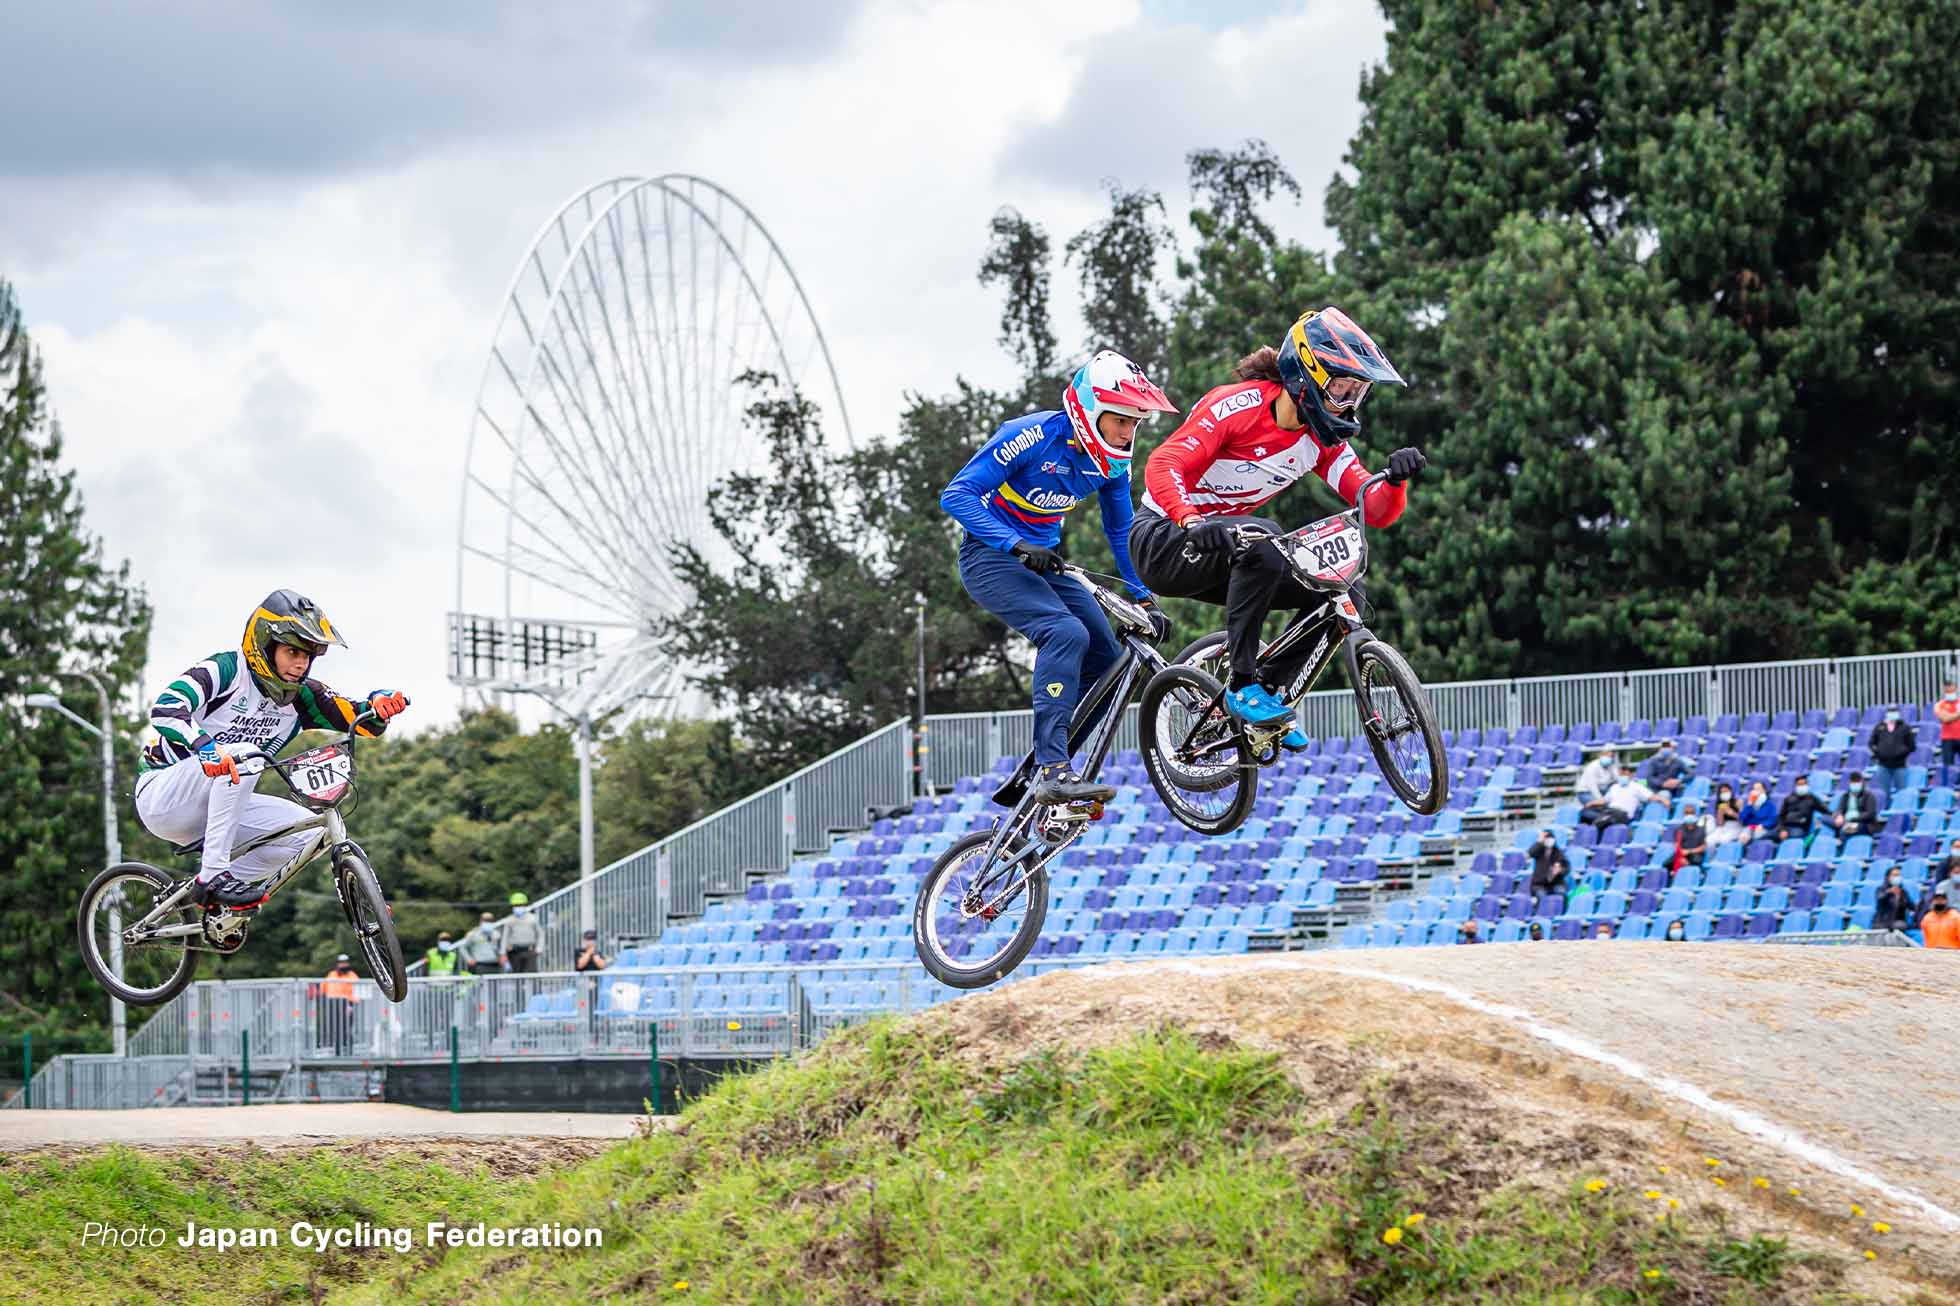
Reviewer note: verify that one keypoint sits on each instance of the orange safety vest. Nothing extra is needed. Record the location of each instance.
(334, 986)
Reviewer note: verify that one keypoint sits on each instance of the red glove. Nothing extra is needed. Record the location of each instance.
(216, 761)
(388, 702)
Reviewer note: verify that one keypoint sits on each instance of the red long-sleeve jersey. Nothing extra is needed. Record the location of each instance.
(1230, 459)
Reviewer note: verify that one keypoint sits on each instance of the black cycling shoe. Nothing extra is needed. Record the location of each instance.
(1057, 785)
(226, 890)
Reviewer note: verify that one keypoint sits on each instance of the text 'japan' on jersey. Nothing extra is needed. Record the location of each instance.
(1022, 483)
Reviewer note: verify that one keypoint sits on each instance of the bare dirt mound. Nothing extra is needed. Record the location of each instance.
(1820, 1079)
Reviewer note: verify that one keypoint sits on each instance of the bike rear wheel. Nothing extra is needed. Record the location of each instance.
(374, 924)
(1199, 756)
(153, 972)
(1401, 728)
(972, 923)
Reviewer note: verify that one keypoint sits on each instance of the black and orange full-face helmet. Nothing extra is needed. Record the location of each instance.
(290, 618)
(1328, 365)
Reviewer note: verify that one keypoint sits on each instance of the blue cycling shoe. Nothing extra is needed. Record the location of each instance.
(1295, 741)
(1256, 703)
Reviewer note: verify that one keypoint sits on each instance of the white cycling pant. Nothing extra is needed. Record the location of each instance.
(182, 804)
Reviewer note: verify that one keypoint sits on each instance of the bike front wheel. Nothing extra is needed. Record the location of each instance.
(1199, 756)
(976, 918)
(1401, 729)
(374, 924)
(155, 970)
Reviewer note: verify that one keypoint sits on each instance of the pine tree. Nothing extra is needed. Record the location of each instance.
(61, 607)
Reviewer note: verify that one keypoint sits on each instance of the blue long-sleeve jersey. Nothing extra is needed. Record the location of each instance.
(1024, 480)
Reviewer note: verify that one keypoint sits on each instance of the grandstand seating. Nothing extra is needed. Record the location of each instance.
(1325, 843)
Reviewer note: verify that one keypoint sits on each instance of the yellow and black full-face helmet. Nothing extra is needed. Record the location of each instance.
(290, 618)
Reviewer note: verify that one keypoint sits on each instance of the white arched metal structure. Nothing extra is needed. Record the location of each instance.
(607, 410)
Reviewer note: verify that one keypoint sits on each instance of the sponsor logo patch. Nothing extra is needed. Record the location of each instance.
(1019, 445)
(1235, 403)
(1054, 688)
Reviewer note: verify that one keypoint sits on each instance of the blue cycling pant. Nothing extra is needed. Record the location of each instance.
(1072, 640)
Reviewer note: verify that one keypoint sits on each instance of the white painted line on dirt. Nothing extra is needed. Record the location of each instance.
(1747, 1121)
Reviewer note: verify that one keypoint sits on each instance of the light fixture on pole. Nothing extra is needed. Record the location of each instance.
(112, 837)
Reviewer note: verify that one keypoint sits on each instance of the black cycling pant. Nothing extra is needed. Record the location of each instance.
(1249, 583)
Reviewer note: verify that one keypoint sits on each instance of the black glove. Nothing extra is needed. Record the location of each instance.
(1159, 623)
(1404, 463)
(1036, 557)
(1216, 535)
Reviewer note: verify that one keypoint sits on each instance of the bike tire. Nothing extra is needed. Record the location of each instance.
(374, 924)
(98, 965)
(1424, 800)
(925, 934)
(1174, 780)
(1208, 653)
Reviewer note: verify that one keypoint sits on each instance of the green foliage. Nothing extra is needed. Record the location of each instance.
(62, 607)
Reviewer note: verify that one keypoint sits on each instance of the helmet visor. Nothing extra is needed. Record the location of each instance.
(1345, 393)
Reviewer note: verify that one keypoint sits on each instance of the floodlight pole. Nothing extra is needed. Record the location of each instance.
(111, 836)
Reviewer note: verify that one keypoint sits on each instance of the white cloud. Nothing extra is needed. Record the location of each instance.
(267, 380)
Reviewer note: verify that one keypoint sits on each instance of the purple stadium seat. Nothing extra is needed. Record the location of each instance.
(1643, 902)
(1728, 927)
(1487, 908)
(1567, 929)
(1518, 905)
(1762, 924)
(1550, 904)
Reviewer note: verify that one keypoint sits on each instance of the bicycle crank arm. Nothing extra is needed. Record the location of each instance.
(137, 934)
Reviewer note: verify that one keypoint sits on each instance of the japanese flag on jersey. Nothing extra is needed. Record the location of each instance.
(1110, 383)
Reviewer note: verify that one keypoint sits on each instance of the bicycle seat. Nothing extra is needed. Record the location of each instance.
(188, 849)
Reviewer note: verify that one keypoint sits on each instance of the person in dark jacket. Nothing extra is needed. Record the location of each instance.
(1549, 865)
(1690, 838)
(1467, 932)
(1892, 743)
(1894, 908)
(1666, 770)
(1798, 811)
(1857, 809)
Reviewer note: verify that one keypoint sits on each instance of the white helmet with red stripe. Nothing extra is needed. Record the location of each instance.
(1110, 383)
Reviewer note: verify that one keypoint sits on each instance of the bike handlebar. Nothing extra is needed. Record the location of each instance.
(253, 753)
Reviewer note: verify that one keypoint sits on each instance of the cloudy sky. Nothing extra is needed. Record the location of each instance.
(262, 245)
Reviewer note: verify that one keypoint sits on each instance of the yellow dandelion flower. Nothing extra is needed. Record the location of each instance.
(1392, 1234)
(1879, 1226)
(1794, 1190)
(1721, 1182)
(1673, 1203)
(1857, 1209)
(1652, 1274)
(1760, 1182)
(1871, 1255)
(680, 1285)
(1663, 1169)
(1415, 1218)
(1595, 1185)
(1652, 1194)
(1710, 1162)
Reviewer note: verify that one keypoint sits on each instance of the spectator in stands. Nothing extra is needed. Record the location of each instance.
(1947, 713)
(1467, 932)
(517, 941)
(1892, 743)
(442, 959)
(1594, 781)
(1893, 908)
(589, 957)
(480, 946)
(1603, 930)
(1537, 932)
(1857, 809)
(1798, 811)
(1758, 812)
(1677, 931)
(1549, 865)
(1941, 925)
(1623, 800)
(1690, 837)
(1947, 877)
(340, 1006)
(1666, 769)
(1725, 822)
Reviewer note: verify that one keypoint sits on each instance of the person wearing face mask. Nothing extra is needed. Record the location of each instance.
(1725, 821)
(1892, 743)
(1947, 713)
(1941, 925)
(1758, 812)
(517, 941)
(1947, 875)
(1690, 837)
(1798, 811)
(1677, 931)
(1594, 782)
(1549, 865)
(1894, 908)
(1857, 809)
(1666, 769)
(480, 954)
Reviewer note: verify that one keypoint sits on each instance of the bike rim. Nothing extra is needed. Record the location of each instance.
(973, 942)
(368, 927)
(148, 968)
(1186, 721)
(1395, 723)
